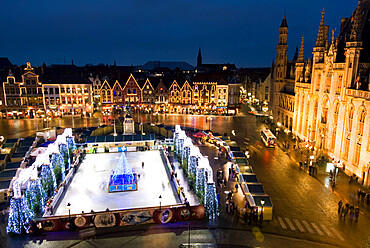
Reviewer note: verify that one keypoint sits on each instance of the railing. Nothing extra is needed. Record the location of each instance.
(358, 93)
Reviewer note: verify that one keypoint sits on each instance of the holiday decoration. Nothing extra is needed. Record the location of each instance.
(122, 178)
(48, 180)
(19, 216)
(210, 201)
(57, 163)
(35, 197)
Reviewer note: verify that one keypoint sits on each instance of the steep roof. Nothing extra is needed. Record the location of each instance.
(183, 66)
(284, 23)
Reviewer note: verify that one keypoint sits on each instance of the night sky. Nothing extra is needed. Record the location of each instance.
(133, 32)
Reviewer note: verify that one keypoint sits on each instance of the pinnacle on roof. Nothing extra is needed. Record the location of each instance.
(322, 36)
(284, 23)
(301, 51)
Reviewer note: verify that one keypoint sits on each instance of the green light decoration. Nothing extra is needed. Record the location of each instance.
(35, 197)
(71, 148)
(63, 149)
(19, 216)
(57, 163)
(211, 203)
(48, 180)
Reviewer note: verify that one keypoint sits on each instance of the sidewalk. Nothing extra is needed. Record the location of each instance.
(343, 189)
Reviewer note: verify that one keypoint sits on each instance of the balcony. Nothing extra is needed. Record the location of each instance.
(358, 93)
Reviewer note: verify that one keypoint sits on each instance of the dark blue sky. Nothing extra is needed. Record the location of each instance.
(243, 32)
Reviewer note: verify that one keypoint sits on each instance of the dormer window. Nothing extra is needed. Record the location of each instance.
(11, 80)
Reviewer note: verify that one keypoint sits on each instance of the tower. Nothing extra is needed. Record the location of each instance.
(321, 41)
(281, 49)
(199, 59)
(353, 48)
(299, 66)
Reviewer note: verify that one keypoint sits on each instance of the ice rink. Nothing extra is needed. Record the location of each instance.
(89, 187)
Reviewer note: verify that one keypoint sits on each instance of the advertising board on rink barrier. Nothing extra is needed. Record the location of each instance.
(154, 215)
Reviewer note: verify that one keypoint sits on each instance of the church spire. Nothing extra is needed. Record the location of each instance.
(322, 36)
(199, 59)
(284, 23)
(301, 51)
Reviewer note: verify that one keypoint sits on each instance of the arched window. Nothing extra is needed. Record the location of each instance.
(361, 122)
(356, 158)
(350, 118)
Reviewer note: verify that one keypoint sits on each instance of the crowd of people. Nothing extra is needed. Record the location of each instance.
(348, 210)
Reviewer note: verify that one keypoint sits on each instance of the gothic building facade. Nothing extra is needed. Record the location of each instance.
(331, 108)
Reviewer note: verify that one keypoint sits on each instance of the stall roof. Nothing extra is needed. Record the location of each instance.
(238, 155)
(19, 154)
(5, 184)
(258, 198)
(120, 138)
(26, 143)
(241, 161)
(12, 165)
(2, 156)
(235, 148)
(250, 178)
(255, 188)
(5, 175)
(8, 145)
(11, 141)
(22, 149)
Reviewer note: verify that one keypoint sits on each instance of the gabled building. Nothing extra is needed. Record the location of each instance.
(175, 93)
(132, 92)
(148, 94)
(162, 97)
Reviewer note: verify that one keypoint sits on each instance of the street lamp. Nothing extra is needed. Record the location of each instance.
(160, 202)
(69, 215)
(261, 215)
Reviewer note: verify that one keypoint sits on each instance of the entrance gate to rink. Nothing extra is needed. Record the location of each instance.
(124, 217)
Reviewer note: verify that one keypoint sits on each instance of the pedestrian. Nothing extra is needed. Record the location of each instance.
(357, 213)
(236, 187)
(351, 213)
(229, 195)
(359, 194)
(138, 176)
(340, 203)
(142, 165)
(230, 172)
(227, 206)
(300, 165)
(345, 211)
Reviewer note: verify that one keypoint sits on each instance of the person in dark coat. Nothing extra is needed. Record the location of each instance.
(340, 204)
(357, 213)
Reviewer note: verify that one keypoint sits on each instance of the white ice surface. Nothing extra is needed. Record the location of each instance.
(89, 187)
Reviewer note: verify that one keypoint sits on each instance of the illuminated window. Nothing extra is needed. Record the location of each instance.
(361, 122)
(350, 119)
(356, 158)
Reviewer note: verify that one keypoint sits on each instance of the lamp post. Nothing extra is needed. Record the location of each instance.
(160, 202)
(69, 215)
(261, 215)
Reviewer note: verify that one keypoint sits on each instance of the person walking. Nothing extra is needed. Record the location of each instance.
(227, 206)
(236, 187)
(142, 165)
(345, 211)
(340, 204)
(351, 213)
(357, 213)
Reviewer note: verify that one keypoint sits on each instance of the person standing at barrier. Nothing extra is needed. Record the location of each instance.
(340, 203)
